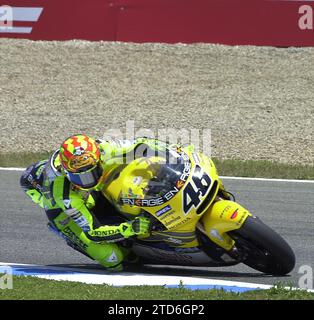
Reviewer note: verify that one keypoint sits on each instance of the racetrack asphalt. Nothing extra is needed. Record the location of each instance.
(287, 207)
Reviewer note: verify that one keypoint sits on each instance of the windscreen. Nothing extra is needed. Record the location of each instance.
(158, 177)
(168, 174)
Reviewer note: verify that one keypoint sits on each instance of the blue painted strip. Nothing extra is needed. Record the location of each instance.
(211, 287)
(33, 271)
(36, 272)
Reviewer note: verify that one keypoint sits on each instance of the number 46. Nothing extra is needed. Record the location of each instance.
(196, 188)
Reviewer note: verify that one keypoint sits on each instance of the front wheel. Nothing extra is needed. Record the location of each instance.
(261, 248)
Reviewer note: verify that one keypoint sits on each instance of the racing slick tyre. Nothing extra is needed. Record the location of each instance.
(262, 248)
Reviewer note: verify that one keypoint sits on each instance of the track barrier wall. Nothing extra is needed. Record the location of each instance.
(232, 22)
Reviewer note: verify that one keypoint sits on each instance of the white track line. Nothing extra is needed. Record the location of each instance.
(222, 177)
(11, 169)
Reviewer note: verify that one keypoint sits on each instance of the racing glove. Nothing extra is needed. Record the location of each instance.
(138, 226)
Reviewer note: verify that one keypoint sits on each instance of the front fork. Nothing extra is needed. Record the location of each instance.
(222, 217)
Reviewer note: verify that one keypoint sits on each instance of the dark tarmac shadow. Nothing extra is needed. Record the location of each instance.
(175, 271)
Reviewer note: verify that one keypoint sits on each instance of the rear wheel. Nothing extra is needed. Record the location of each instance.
(263, 249)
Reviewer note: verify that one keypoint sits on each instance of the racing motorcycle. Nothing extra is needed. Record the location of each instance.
(194, 222)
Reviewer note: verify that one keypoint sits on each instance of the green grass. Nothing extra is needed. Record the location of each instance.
(264, 169)
(238, 168)
(21, 159)
(30, 288)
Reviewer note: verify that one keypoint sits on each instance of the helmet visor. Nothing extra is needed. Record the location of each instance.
(88, 179)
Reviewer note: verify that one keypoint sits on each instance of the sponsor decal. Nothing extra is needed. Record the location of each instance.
(166, 215)
(67, 203)
(235, 214)
(173, 240)
(163, 210)
(9, 15)
(72, 236)
(6, 17)
(34, 183)
(180, 184)
(181, 222)
(149, 202)
(306, 20)
(130, 195)
(242, 218)
(78, 218)
(198, 187)
(113, 257)
(104, 233)
(172, 221)
(226, 209)
(83, 223)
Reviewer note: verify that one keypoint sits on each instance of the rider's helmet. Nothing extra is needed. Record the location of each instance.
(81, 161)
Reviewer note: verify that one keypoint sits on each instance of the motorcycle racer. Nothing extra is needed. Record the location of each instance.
(68, 185)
